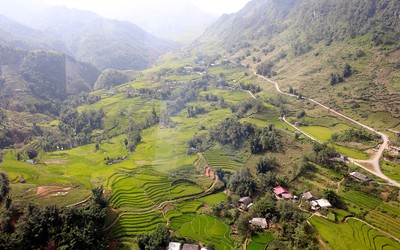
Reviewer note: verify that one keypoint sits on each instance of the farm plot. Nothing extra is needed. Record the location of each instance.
(189, 206)
(142, 191)
(207, 229)
(361, 200)
(260, 241)
(323, 134)
(136, 224)
(387, 222)
(352, 235)
(391, 170)
(213, 199)
(392, 208)
(176, 222)
(219, 159)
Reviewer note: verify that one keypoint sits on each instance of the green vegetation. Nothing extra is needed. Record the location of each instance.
(213, 199)
(352, 235)
(4, 186)
(260, 241)
(391, 170)
(208, 230)
(360, 200)
(72, 228)
(177, 146)
(218, 159)
(384, 221)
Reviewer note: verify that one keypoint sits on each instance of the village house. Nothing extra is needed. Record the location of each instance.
(321, 203)
(174, 246)
(282, 193)
(308, 196)
(261, 222)
(359, 176)
(190, 247)
(245, 202)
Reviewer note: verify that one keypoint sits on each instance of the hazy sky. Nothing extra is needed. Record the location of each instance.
(111, 7)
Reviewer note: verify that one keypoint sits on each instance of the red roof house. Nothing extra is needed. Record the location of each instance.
(281, 192)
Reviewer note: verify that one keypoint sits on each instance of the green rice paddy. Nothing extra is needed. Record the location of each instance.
(260, 241)
(206, 229)
(352, 235)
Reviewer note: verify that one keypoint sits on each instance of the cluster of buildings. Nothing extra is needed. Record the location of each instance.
(281, 193)
(180, 246)
(245, 203)
(315, 203)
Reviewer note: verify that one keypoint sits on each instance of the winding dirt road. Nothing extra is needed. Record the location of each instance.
(374, 161)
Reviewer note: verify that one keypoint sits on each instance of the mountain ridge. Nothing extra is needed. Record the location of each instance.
(303, 44)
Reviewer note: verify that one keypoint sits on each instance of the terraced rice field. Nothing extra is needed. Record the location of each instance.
(177, 221)
(392, 170)
(391, 208)
(213, 199)
(143, 191)
(206, 229)
(361, 200)
(260, 241)
(189, 206)
(219, 159)
(136, 224)
(352, 235)
(384, 221)
(138, 195)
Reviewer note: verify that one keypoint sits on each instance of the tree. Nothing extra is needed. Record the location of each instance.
(155, 240)
(332, 197)
(98, 196)
(31, 152)
(304, 237)
(265, 208)
(301, 114)
(242, 183)
(242, 224)
(266, 164)
(211, 246)
(347, 70)
(335, 78)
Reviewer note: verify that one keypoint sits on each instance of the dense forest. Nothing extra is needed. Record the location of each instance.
(32, 227)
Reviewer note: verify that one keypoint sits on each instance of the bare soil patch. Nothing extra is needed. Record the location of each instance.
(55, 161)
(140, 162)
(48, 191)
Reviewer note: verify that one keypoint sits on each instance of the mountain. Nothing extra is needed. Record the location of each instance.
(42, 74)
(17, 35)
(177, 20)
(308, 44)
(102, 42)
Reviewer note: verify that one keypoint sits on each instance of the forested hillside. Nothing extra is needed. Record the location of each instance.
(308, 44)
(46, 74)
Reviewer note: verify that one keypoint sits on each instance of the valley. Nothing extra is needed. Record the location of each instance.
(251, 137)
